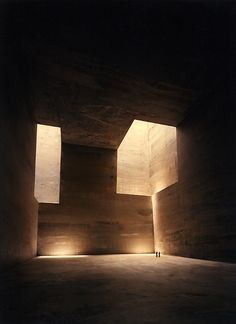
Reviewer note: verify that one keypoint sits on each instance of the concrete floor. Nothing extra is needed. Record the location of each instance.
(119, 289)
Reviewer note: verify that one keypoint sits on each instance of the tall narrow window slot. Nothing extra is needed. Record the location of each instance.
(48, 164)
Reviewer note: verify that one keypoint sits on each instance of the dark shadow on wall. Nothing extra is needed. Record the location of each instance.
(196, 216)
(18, 207)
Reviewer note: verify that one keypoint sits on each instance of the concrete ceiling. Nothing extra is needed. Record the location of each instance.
(95, 105)
(95, 66)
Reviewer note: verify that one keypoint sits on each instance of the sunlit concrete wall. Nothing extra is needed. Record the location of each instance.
(169, 221)
(147, 159)
(163, 156)
(91, 216)
(133, 161)
(196, 216)
(48, 163)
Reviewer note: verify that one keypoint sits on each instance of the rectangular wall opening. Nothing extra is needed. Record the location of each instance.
(147, 159)
(48, 164)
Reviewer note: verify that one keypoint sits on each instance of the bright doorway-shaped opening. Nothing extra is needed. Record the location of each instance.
(48, 164)
(147, 159)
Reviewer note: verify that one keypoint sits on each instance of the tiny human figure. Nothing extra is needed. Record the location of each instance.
(156, 254)
(159, 254)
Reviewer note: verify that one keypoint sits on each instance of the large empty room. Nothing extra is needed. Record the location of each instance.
(117, 162)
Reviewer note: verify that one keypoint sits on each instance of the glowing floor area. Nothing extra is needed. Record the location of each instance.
(119, 289)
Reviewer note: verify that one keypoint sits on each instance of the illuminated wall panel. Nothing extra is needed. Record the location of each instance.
(93, 219)
(48, 162)
(147, 159)
(163, 156)
(133, 161)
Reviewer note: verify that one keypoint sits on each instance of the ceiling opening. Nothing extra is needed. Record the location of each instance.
(48, 164)
(147, 159)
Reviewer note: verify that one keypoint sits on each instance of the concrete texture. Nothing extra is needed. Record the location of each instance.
(168, 221)
(92, 67)
(163, 157)
(119, 289)
(133, 161)
(91, 217)
(48, 164)
(152, 64)
(18, 207)
(108, 100)
(147, 159)
(196, 216)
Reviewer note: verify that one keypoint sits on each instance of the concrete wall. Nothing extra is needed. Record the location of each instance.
(48, 164)
(163, 156)
(18, 207)
(133, 161)
(196, 216)
(147, 159)
(91, 217)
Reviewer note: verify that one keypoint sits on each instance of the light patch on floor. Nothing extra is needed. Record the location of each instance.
(61, 256)
(128, 288)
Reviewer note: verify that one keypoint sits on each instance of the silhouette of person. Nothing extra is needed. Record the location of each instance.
(159, 254)
(156, 254)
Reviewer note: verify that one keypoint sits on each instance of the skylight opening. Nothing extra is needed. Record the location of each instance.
(147, 159)
(48, 164)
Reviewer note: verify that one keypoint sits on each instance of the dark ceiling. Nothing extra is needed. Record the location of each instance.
(97, 65)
